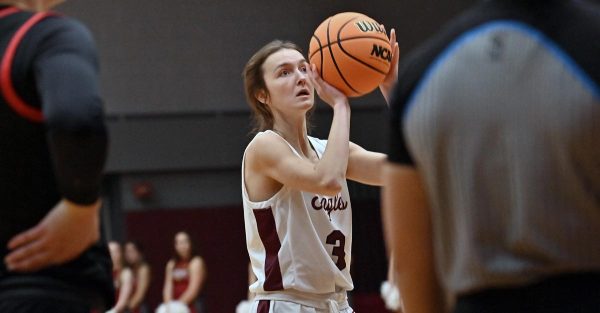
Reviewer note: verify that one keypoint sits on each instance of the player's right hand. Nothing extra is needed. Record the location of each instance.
(66, 231)
(328, 93)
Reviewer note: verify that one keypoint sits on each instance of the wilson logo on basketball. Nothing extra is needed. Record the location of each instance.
(368, 26)
(329, 204)
(381, 52)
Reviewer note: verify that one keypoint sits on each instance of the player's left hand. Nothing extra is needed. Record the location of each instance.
(64, 233)
(389, 82)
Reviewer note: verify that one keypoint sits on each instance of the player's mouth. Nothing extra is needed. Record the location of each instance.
(303, 92)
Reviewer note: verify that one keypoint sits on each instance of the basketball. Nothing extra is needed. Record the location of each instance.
(351, 52)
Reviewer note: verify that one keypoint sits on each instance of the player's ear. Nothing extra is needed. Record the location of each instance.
(262, 96)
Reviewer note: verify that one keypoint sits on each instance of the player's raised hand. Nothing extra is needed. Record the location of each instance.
(388, 83)
(66, 231)
(328, 93)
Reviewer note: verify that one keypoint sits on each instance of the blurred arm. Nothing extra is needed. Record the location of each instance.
(168, 285)
(143, 282)
(407, 222)
(126, 279)
(197, 277)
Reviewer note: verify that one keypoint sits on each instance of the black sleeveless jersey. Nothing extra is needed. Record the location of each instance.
(52, 136)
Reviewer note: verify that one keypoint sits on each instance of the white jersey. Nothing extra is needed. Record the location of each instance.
(299, 241)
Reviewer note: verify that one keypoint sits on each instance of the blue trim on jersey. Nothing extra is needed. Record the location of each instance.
(552, 47)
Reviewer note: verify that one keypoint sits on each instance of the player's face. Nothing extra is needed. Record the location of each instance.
(182, 245)
(286, 77)
(131, 254)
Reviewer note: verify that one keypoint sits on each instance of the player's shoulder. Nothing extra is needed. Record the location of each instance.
(414, 66)
(57, 29)
(416, 62)
(263, 136)
(267, 146)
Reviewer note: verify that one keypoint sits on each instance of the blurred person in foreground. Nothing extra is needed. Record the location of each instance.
(492, 189)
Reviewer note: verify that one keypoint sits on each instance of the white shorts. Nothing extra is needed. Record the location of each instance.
(277, 306)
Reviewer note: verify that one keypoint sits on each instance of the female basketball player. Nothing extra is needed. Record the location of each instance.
(185, 275)
(141, 277)
(122, 278)
(296, 205)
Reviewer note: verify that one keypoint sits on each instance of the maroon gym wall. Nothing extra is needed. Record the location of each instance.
(218, 233)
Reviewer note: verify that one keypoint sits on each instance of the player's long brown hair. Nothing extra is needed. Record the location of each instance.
(254, 83)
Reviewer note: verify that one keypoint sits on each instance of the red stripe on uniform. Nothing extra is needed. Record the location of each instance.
(268, 235)
(8, 90)
(8, 11)
(263, 306)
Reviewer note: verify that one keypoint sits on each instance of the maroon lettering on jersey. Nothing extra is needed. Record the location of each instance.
(329, 204)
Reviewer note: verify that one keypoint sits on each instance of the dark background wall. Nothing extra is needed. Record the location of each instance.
(181, 56)
(171, 79)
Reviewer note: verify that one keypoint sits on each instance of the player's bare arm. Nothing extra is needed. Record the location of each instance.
(365, 166)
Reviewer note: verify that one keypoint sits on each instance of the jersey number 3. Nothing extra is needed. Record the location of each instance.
(338, 240)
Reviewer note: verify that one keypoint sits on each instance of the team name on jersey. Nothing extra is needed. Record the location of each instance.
(329, 204)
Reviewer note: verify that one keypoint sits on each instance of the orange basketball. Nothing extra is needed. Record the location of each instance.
(352, 53)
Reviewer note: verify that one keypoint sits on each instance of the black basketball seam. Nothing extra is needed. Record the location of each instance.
(321, 51)
(348, 39)
(333, 58)
(353, 57)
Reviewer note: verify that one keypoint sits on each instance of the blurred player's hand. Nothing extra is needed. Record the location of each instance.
(387, 86)
(66, 231)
